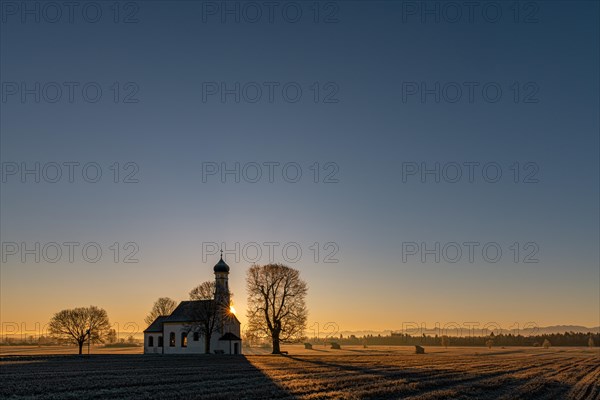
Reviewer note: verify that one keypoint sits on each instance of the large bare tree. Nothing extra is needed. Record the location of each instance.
(80, 324)
(207, 314)
(162, 306)
(276, 303)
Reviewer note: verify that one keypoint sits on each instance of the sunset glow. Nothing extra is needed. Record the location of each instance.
(401, 196)
(371, 193)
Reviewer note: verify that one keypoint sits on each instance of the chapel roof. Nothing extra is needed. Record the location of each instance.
(230, 336)
(184, 312)
(157, 325)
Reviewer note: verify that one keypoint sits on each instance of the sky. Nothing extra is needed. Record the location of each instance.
(425, 163)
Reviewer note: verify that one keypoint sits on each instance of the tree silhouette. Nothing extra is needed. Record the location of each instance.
(111, 336)
(276, 303)
(162, 306)
(207, 314)
(80, 324)
(445, 341)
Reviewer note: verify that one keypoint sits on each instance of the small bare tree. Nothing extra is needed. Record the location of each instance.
(591, 341)
(276, 303)
(546, 344)
(80, 324)
(445, 341)
(207, 314)
(111, 336)
(162, 306)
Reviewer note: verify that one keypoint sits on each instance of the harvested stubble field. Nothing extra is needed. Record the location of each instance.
(350, 373)
(47, 350)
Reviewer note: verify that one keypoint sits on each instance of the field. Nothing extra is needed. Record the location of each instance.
(350, 373)
(48, 350)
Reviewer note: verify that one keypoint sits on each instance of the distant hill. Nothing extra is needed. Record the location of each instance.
(465, 332)
(568, 328)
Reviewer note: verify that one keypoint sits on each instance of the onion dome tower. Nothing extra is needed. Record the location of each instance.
(221, 270)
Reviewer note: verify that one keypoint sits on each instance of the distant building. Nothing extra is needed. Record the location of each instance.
(172, 334)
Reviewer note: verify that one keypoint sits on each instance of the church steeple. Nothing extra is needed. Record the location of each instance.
(221, 266)
(221, 270)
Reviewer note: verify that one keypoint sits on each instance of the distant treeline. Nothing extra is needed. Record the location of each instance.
(110, 341)
(399, 339)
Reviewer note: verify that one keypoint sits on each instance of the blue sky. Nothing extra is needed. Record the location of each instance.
(367, 60)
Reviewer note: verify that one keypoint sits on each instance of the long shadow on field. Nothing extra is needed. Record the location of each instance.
(136, 376)
(474, 384)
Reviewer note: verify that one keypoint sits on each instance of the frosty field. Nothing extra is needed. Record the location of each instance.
(350, 373)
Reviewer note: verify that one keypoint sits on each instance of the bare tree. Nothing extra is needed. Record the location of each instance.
(80, 324)
(206, 291)
(206, 313)
(276, 303)
(162, 306)
(591, 342)
(111, 336)
(445, 341)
